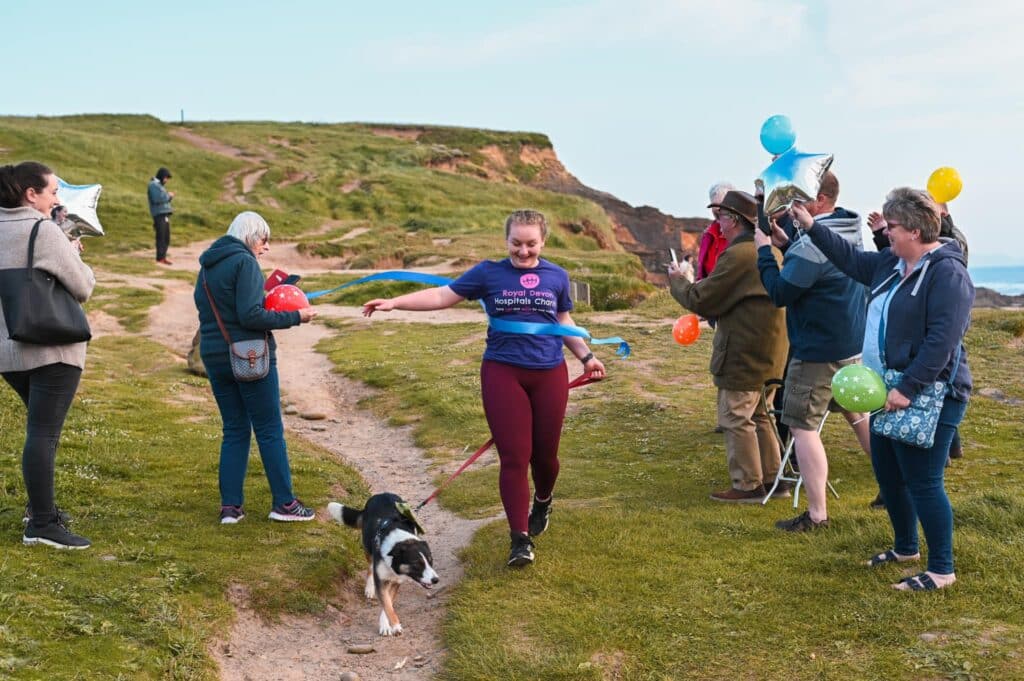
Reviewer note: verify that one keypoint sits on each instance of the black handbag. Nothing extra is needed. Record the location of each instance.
(37, 307)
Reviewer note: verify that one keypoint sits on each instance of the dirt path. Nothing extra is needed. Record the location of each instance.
(317, 647)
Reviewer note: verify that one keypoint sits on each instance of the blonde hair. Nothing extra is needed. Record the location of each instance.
(527, 217)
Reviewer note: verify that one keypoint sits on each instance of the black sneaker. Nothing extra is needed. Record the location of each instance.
(62, 516)
(801, 523)
(293, 511)
(230, 515)
(539, 515)
(55, 535)
(878, 503)
(522, 550)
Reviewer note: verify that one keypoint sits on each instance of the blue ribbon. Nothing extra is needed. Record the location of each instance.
(503, 325)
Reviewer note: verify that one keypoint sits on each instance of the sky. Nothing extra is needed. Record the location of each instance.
(650, 100)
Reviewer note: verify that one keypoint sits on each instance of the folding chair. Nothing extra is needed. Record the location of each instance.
(788, 472)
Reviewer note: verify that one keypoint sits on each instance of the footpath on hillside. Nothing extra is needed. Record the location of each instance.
(321, 406)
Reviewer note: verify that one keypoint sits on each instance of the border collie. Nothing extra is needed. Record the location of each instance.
(394, 549)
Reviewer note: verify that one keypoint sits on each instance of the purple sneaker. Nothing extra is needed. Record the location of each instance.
(230, 515)
(293, 511)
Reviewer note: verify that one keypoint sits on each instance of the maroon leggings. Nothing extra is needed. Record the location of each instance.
(525, 409)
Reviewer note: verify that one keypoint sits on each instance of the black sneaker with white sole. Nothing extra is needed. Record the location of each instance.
(56, 535)
(539, 517)
(231, 515)
(522, 550)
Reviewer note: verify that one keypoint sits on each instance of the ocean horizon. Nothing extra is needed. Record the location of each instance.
(1005, 279)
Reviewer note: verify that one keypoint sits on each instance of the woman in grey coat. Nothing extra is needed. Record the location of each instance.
(45, 377)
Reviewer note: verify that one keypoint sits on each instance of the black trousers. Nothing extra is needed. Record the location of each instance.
(47, 392)
(162, 227)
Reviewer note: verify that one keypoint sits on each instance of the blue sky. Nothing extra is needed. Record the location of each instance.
(651, 100)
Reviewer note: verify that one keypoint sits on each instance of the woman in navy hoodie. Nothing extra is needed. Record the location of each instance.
(918, 312)
(231, 273)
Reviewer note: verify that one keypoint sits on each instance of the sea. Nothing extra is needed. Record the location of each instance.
(1005, 279)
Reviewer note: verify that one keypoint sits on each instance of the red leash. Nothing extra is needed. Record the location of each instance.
(582, 379)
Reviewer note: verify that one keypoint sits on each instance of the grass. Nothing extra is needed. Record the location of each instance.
(416, 215)
(642, 577)
(137, 469)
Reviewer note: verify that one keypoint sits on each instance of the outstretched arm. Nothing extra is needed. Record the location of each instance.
(428, 299)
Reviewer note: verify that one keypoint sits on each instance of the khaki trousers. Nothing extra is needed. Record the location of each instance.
(751, 448)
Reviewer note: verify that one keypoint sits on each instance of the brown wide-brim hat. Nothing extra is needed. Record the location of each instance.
(741, 203)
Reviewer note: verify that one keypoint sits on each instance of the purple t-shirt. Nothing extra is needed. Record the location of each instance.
(522, 295)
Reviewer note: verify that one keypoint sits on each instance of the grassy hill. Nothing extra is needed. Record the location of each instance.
(640, 576)
(442, 196)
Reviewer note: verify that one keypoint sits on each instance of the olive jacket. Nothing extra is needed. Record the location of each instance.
(750, 344)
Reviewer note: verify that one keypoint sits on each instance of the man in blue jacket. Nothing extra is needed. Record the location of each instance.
(160, 208)
(825, 314)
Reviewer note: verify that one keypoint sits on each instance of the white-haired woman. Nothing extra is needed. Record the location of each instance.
(231, 273)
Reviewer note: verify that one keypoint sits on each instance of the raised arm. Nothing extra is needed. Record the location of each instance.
(428, 299)
(850, 260)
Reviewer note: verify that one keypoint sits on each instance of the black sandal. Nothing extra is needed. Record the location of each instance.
(891, 556)
(920, 582)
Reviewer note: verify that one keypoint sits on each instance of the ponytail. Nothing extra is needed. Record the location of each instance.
(15, 180)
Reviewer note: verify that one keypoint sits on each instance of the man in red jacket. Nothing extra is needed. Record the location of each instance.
(712, 243)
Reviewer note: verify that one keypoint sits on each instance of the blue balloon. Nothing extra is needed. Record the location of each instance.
(777, 134)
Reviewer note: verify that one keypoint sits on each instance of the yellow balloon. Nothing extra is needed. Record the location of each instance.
(945, 184)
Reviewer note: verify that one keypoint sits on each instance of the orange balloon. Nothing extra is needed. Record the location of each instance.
(686, 330)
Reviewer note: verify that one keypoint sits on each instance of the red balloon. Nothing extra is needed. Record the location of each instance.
(285, 298)
(686, 330)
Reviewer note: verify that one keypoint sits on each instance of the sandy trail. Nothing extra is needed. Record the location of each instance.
(317, 647)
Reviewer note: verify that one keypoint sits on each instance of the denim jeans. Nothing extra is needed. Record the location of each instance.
(247, 408)
(47, 392)
(911, 480)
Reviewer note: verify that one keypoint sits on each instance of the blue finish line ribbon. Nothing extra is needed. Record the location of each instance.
(502, 325)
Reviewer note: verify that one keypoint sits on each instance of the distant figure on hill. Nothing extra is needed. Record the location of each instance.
(523, 378)
(749, 348)
(160, 208)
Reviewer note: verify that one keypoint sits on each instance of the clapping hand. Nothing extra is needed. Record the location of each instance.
(876, 221)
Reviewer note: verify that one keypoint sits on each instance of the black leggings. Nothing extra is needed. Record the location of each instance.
(162, 227)
(47, 392)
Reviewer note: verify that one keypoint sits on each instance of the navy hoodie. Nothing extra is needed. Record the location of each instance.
(825, 309)
(928, 315)
(236, 283)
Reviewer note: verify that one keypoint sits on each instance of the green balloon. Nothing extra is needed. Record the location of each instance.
(858, 388)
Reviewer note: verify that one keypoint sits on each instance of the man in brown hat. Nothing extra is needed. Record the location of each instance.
(749, 348)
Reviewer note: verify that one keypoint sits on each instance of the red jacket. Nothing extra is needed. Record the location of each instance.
(712, 243)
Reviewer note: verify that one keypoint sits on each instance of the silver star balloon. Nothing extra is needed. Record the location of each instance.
(80, 201)
(793, 176)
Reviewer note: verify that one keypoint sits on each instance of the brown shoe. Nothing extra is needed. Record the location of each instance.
(783, 491)
(738, 496)
(165, 261)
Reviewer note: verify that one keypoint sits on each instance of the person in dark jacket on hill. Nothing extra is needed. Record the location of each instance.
(918, 312)
(231, 273)
(825, 312)
(160, 208)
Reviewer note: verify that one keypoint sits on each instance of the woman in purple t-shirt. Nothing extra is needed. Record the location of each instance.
(523, 378)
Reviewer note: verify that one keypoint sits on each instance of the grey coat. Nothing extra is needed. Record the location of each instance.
(56, 255)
